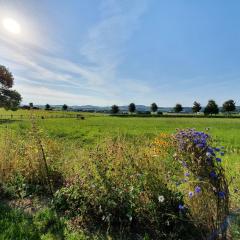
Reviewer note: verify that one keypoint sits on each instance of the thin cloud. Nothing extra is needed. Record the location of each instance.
(39, 62)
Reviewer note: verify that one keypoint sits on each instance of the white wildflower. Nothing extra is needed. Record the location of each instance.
(161, 199)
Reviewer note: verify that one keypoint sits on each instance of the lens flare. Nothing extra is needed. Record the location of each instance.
(11, 25)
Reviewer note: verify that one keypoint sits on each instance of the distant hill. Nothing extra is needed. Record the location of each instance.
(140, 108)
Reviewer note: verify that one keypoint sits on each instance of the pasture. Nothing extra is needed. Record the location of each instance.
(76, 147)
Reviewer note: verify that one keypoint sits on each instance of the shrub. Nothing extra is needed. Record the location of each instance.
(122, 189)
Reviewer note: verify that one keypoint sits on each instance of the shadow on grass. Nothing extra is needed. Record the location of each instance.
(8, 121)
(15, 224)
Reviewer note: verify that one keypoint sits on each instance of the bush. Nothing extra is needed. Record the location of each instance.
(122, 189)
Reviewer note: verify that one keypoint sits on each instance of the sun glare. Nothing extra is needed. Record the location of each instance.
(11, 25)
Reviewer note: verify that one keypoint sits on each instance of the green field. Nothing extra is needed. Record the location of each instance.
(71, 138)
(95, 127)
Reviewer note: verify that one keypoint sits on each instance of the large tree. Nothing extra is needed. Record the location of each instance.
(211, 108)
(114, 109)
(64, 107)
(178, 108)
(154, 107)
(229, 106)
(9, 99)
(47, 107)
(196, 107)
(132, 108)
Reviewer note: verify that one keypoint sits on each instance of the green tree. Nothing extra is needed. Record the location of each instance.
(47, 107)
(31, 105)
(114, 109)
(65, 107)
(154, 107)
(178, 108)
(196, 107)
(132, 108)
(229, 106)
(211, 108)
(9, 99)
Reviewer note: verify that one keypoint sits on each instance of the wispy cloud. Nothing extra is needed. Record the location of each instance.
(43, 74)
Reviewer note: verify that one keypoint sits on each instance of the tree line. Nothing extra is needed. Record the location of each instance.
(11, 99)
(211, 108)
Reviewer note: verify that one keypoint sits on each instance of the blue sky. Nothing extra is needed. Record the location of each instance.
(105, 52)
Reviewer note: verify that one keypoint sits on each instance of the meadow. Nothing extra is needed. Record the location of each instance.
(90, 164)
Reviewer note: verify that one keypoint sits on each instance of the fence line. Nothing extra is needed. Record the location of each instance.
(22, 116)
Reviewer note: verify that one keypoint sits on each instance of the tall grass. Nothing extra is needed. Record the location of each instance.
(123, 186)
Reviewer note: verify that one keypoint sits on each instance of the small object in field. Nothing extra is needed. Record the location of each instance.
(42, 117)
(79, 116)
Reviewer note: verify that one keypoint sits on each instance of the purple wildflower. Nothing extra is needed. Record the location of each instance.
(197, 189)
(218, 159)
(181, 207)
(190, 194)
(221, 194)
(213, 174)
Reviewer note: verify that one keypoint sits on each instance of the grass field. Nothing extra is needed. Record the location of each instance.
(75, 136)
(96, 126)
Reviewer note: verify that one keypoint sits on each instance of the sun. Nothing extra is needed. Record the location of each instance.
(11, 25)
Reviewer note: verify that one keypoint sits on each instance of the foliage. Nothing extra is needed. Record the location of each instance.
(154, 107)
(22, 169)
(132, 108)
(9, 99)
(196, 107)
(211, 108)
(114, 109)
(65, 107)
(13, 225)
(47, 221)
(178, 108)
(47, 107)
(129, 174)
(229, 106)
(120, 188)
